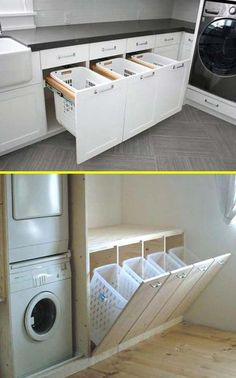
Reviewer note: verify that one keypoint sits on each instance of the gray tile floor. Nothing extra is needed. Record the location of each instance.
(190, 140)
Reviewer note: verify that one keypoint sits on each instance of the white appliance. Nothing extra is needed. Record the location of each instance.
(37, 216)
(41, 316)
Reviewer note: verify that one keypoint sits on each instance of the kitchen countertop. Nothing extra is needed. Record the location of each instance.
(58, 36)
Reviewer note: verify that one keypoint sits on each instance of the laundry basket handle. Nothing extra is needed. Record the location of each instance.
(65, 92)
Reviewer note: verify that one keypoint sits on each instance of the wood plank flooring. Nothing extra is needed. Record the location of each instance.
(184, 351)
(190, 140)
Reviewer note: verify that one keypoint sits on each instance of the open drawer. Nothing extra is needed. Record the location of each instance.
(140, 84)
(171, 82)
(89, 106)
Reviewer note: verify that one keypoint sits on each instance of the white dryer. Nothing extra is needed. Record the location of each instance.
(41, 316)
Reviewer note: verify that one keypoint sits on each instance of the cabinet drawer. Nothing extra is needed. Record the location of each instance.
(64, 55)
(167, 39)
(140, 43)
(212, 103)
(188, 40)
(107, 48)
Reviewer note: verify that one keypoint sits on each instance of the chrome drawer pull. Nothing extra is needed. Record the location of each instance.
(169, 39)
(67, 56)
(221, 262)
(190, 40)
(109, 48)
(211, 103)
(178, 67)
(158, 284)
(181, 276)
(147, 76)
(142, 43)
(104, 90)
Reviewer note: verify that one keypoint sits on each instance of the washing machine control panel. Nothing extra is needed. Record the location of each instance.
(39, 276)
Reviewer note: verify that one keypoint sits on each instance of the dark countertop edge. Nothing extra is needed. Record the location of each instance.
(82, 41)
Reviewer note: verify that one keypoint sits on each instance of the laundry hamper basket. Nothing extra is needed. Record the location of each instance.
(140, 269)
(183, 256)
(164, 260)
(152, 60)
(110, 290)
(74, 80)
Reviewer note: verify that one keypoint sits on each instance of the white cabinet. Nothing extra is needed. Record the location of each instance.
(171, 86)
(107, 48)
(22, 115)
(168, 45)
(140, 43)
(64, 55)
(171, 52)
(186, 46)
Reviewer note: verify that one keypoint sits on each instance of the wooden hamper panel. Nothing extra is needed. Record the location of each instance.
(129, 251)
(174, 241)
(198, 288)
(130, 314)
(100, 258)
(152, 246)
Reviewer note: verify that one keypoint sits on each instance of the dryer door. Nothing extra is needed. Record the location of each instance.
(42, 316)
(217, 47)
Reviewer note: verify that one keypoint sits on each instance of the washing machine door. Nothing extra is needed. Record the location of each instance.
(42, 316)
(217, 47)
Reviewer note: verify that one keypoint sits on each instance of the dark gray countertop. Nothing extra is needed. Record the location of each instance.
(59, 36)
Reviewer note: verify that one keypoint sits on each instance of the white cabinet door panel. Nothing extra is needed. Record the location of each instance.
(22, 116)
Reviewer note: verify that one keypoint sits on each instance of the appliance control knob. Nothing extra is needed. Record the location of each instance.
(232, 10)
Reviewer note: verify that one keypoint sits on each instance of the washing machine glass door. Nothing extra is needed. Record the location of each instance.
(217, 47)
(42, 316)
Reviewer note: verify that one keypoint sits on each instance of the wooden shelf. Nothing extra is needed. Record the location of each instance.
(103, 238)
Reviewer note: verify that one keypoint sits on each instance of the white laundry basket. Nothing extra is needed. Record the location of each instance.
(122, 67)
(183, 256)
(164, 260)
(74, 79)
(140, 269)
(151, 59)
(110, 290)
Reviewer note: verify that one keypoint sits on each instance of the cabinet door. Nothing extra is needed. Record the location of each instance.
(171, 87)
(22, 116)
(140, 103)
(182, 291)
(150, 312)
(198, 288)
(140, 300)
(168, 51)
(100, 119)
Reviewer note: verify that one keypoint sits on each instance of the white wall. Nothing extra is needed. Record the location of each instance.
(186, 10)
(59, 12)
(189, 202)
(103, 200)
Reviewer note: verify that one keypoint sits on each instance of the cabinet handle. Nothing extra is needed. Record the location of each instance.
(104, 90)
(158, 284)
(142, 43)
(190, 40)
(211, 103)
(67, 56)
(169, 39)
(142, 77)
(109, 48)
(178, 67)
(203, 269)
(181, 276)
(221, 262)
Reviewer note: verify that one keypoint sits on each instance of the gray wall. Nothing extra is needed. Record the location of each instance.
(59, 12)
(186, 10)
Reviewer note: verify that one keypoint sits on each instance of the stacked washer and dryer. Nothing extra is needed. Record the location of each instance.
(40, 272)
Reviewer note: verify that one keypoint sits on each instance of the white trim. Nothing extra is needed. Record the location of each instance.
(17, 14)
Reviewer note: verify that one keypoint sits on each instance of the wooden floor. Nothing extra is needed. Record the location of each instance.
(184, 351)
(190, 140)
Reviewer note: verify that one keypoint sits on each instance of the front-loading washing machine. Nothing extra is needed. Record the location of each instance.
(41, 315)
